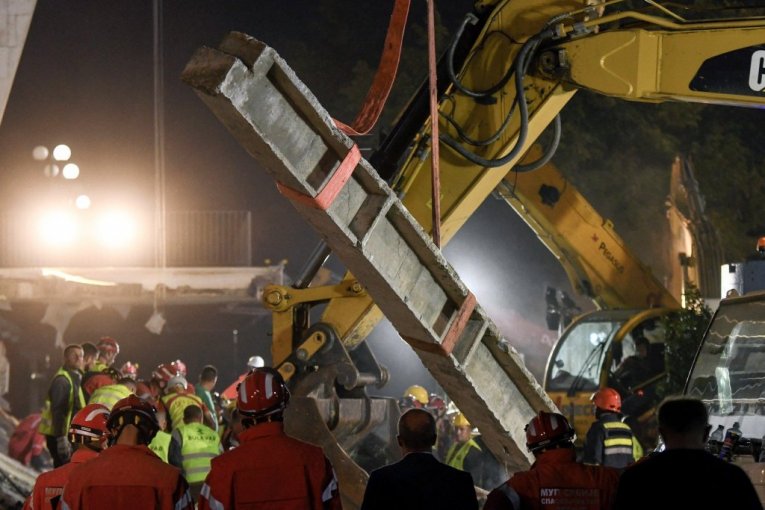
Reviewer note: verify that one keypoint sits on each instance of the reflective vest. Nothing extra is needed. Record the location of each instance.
(109, 395)
(620, 448)
(200, 444)
(46, 420)
(161, 444)
(98, 366)
(457, 453)
(175, 403)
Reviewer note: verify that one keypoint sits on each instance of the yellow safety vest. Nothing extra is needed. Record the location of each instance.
(161, 444)
(98, 366)
(621, 440)
(457, 453)
(109, 395)
(46, 420)
(175, 403)
(200, 445)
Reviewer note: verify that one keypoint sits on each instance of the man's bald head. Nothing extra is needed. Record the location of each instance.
(417, 430)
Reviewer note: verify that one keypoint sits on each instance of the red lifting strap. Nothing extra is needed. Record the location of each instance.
(451, 337)
(385, 76)
(329, 192)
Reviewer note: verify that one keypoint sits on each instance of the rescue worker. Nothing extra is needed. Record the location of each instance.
(108, 349)
(414, 396)
(252, 363)
(469, 453)
(128, 472)
(177, 398)
(88, 435)
(208, 378)
(160, 377)
(112, 393)
(610, 442)
(130, 370)
(555, 480)
(160, 444)
(269, 468)
(192, 447)
(65, 398)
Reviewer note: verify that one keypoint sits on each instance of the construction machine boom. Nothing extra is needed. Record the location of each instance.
(514, 67)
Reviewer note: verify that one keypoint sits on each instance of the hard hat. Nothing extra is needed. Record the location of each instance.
(255, 362)
(607, 399)
(89, 424)
(417, 392)
(179, 366)
(262, 393)
(109, 345)
(129, 369)
(761, 245)
(436, 402)
(176, 380)
(164, 373)
(132, 410)
(547, 430)
(460, 420)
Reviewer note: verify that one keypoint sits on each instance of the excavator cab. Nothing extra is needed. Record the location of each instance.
(622, 349)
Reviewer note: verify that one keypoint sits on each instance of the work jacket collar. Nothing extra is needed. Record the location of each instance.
(271, 428)
(556, 456)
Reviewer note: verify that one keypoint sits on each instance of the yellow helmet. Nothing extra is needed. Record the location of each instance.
(418, 393)
(460, 420)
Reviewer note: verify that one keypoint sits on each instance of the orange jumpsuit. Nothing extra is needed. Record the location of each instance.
(556, 481)
(272, 470)
(126, 477)
(51, 484)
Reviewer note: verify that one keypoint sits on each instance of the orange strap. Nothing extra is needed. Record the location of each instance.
(329, 192)
(451, 337)
(435, 174)
(385, 76)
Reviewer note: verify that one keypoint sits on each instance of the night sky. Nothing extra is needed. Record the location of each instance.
(86, 79)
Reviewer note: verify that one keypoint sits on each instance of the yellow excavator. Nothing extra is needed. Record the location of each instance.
(511, 69)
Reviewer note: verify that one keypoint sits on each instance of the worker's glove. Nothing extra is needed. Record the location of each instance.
(63, 448)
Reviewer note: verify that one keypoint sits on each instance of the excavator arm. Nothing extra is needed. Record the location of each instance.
(514, 67)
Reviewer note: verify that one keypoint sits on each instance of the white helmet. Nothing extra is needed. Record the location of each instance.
(255, 362)
(178, 379)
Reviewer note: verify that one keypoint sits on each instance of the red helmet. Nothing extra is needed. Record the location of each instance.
(546, 430)
(132, 410)
(89, 424)
(607, 399)
(179, 366)
(437, 402)
(129, 369)
(164, 373)
(262, 393)
(107, 344)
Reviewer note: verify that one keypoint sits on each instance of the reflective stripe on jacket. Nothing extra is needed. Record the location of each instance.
(161, 444)
(618, 445)
(110, 395)
(199, 444)
(46, 420)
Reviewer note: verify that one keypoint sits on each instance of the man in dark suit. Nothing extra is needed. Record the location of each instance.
(419, 480)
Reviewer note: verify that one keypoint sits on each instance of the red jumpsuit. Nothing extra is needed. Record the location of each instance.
(51, 484)
(556, 481)
(126, 477)
(271, 470)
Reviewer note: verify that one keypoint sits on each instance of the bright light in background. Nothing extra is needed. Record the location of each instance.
(70, 171)
(82, 202)
(115, 229)
(40, 153)
(62, 152)
(58, 228)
